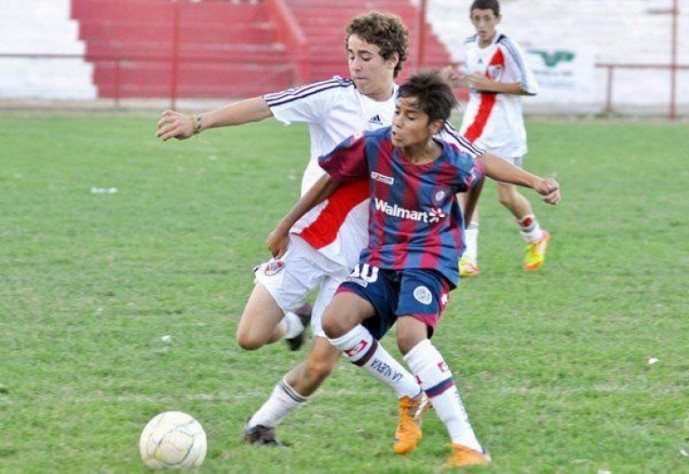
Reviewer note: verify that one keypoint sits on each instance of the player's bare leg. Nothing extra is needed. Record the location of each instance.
(512, 199)
(263, 322)
(308, 376)
(292, 392)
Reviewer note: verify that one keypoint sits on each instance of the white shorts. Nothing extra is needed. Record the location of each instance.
(302, 269)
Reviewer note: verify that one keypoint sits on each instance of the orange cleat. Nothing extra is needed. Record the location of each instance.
(408, 432)
(463, 456)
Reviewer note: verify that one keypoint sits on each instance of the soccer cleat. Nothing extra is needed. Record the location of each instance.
(408, 432)
(467, 268)
(463, 456)
(535, 253)
(304, 313)
(261, 435)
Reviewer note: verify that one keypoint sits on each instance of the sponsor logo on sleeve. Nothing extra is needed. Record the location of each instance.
(382, 178)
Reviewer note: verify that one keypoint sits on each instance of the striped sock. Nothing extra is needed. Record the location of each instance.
(436, 380)
(281, 403)
(363, 350)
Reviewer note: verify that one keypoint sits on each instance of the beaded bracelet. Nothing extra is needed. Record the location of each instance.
(195, 123)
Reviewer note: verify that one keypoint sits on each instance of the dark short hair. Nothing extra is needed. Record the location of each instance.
(384, 30)
(434, 97)
(486, 5)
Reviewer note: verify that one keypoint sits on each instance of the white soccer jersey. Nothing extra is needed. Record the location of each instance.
(495, 121)
(335, 110)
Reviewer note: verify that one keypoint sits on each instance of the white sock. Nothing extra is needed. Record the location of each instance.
(281, 403)
(293, 325)
(359, 346)
(471, 241)
(436, 380)
(529, 229)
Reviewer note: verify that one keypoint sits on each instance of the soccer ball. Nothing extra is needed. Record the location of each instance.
(174, 440)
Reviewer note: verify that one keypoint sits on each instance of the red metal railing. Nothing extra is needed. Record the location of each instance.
(610, 72)
(117, 61)
(292, 36)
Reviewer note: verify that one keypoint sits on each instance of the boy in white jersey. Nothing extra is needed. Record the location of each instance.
(497, 76)
(325, 245)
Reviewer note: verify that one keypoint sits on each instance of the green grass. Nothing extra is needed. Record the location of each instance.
(552, 366)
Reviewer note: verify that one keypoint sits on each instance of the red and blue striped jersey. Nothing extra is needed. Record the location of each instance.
(415, 221)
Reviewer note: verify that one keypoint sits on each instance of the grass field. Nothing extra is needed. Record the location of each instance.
(553, 366)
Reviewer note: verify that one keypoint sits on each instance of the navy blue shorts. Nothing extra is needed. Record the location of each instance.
(421, 294)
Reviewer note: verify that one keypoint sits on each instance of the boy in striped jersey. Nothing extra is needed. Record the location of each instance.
(324, 246)
(497, 75)
(415, 240)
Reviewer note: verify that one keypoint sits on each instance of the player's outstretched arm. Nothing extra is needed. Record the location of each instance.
(500, 170)
(173, 124)
(277, 240)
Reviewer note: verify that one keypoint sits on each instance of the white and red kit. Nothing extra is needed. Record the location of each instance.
(336, 229)
(495, 121)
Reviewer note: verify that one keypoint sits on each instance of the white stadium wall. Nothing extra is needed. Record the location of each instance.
(595, 31)
(564, 38)
(42, 27)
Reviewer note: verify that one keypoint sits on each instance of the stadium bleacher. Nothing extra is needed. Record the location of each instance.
(226, 48)
(42, 27)
(244, 55)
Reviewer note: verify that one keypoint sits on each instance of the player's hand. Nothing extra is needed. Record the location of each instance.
(453, 76)
(477, 81)
(450, 75)
(549, 188)
(174, 125)
(277, 242)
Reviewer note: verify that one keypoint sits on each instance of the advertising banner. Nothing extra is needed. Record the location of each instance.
(565, 75)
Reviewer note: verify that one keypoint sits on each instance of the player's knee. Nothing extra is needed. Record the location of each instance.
(248, 341)
(409, 335)
(406, 342)
(333, 326)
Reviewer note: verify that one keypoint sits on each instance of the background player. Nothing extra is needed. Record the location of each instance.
(497, 75)
(415, 241)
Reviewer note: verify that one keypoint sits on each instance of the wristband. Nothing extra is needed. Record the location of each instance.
(195, 120)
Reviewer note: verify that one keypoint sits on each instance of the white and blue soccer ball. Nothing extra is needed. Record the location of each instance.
(173, 440)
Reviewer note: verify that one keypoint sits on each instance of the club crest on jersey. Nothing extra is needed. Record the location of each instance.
(382, 178)
(439, 196)
(423, 295)
(273, 268)
(494, 72)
